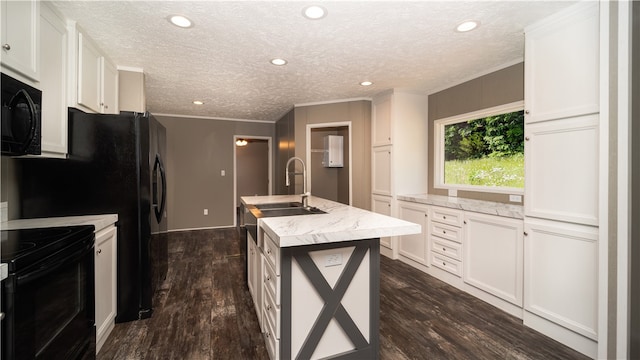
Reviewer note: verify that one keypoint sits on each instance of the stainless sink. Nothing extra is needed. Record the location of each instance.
(284, 205)
(273, 212)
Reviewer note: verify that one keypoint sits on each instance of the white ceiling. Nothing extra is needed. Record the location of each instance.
(224, 59)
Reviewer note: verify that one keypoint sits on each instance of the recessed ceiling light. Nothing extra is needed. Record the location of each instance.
(467, 26)
(314, 12)
(279, 62)
(366, 83)
(180, 21)
(198, 102)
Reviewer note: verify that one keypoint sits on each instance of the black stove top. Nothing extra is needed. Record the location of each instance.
(22, 248)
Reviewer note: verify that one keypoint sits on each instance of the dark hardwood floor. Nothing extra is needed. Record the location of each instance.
(204, 311)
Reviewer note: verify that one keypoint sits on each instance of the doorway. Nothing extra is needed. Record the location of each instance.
(252, 163)
(325, 179)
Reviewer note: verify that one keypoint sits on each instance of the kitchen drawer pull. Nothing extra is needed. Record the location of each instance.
(268, 251)
(444, 263)
(6, 47)
(444, 249)
(444, 217)
(99, 251)
(268, 277)
(444, 231)
(267, 334)
(268, 307)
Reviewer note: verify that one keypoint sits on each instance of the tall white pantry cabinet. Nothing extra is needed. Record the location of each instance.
(561, 176)
(399, 143)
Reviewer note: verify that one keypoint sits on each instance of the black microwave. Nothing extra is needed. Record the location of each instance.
(21, 118)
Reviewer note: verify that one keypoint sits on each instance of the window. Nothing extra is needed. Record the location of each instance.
(481, 151)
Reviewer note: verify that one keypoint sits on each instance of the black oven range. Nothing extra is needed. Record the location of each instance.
(48, 297)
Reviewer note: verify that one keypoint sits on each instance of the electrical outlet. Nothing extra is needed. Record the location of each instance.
(223, 173)
(206, 211)
(333, 260)
(515, 198)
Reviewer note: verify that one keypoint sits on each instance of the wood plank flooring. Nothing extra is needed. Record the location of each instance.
(204, 311)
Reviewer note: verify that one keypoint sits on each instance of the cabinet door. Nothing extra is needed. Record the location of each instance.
(381, 182)
(382, 121)
(21, 37)
(414, 247)
(562, 65)
(53, 83)
(561, 170)
(106, 283)
(109, 103)
(493, 255)
(382, 205)
(561, 274)
(89, 74)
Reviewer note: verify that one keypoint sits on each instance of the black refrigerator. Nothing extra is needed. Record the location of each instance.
(115, 165)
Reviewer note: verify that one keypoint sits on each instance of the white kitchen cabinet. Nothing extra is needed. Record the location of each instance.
(561, 64)
(381, 167)
(53, 82)
(131, 94)
(382, 205)
(398, 137)
(20, 33)
(381, 119)
(561, 167)
(109, 94)
(94, 83)
(493, 255)
(561, 281)
(444, 228)
(106, 283)
(414, 247)
(255, 262)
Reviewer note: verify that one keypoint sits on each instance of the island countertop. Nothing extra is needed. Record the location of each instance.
(340, 223)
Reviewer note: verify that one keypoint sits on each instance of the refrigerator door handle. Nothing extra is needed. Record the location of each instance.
(158, 167)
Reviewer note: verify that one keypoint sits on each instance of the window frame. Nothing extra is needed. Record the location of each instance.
(439, 158)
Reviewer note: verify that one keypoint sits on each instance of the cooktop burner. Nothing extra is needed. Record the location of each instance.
(24, 247)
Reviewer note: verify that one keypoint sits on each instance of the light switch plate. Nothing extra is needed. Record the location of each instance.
(515, 198)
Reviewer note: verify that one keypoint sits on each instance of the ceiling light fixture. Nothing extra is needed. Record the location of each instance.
(366, 83)
(314, 12)
(241, 142)
(198, 102)
(279, 62)
(180, 21)
(467, 26)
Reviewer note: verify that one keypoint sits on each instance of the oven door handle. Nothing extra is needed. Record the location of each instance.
(52, 265)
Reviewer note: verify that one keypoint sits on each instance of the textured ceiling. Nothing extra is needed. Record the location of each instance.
(224, 59)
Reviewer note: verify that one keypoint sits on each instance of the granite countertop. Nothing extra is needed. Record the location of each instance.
(340, 223)
(99, 221)
(479, 206)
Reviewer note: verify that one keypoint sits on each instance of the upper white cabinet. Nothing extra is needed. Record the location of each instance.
(381, 167)
(561, 65)
(382, 121)
(493, 255)
(131, 94)
(561, 167)
(53, 82)
(21, 37)
(94, 78)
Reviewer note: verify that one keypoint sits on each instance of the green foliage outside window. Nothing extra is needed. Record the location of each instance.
(486, 152)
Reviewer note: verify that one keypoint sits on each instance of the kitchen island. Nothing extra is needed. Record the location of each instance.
(314, 278)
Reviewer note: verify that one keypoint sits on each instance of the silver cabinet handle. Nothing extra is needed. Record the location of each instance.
(6, 47)
(269, 251)
(99, 251)
(526, 111)
(1, 316)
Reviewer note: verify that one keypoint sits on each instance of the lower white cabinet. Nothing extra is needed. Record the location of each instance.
(254, 275)
(106, 283)
(493, 255)
(414, 247)
(382, 205)
(561, 281)
(445, 233)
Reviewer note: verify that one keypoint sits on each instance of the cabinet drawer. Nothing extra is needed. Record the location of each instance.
(447, 264)
(447, 232)
(272, 253)
(272, 343)
(271, 314)
(446, 248)
(447, 216)
(271, 282)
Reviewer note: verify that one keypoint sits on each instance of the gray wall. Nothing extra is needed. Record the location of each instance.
(329, 183)
(285, 148)
(197, 151)
(359, 113)
(498, 88)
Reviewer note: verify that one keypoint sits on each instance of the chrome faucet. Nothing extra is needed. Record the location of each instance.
(305, 194)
